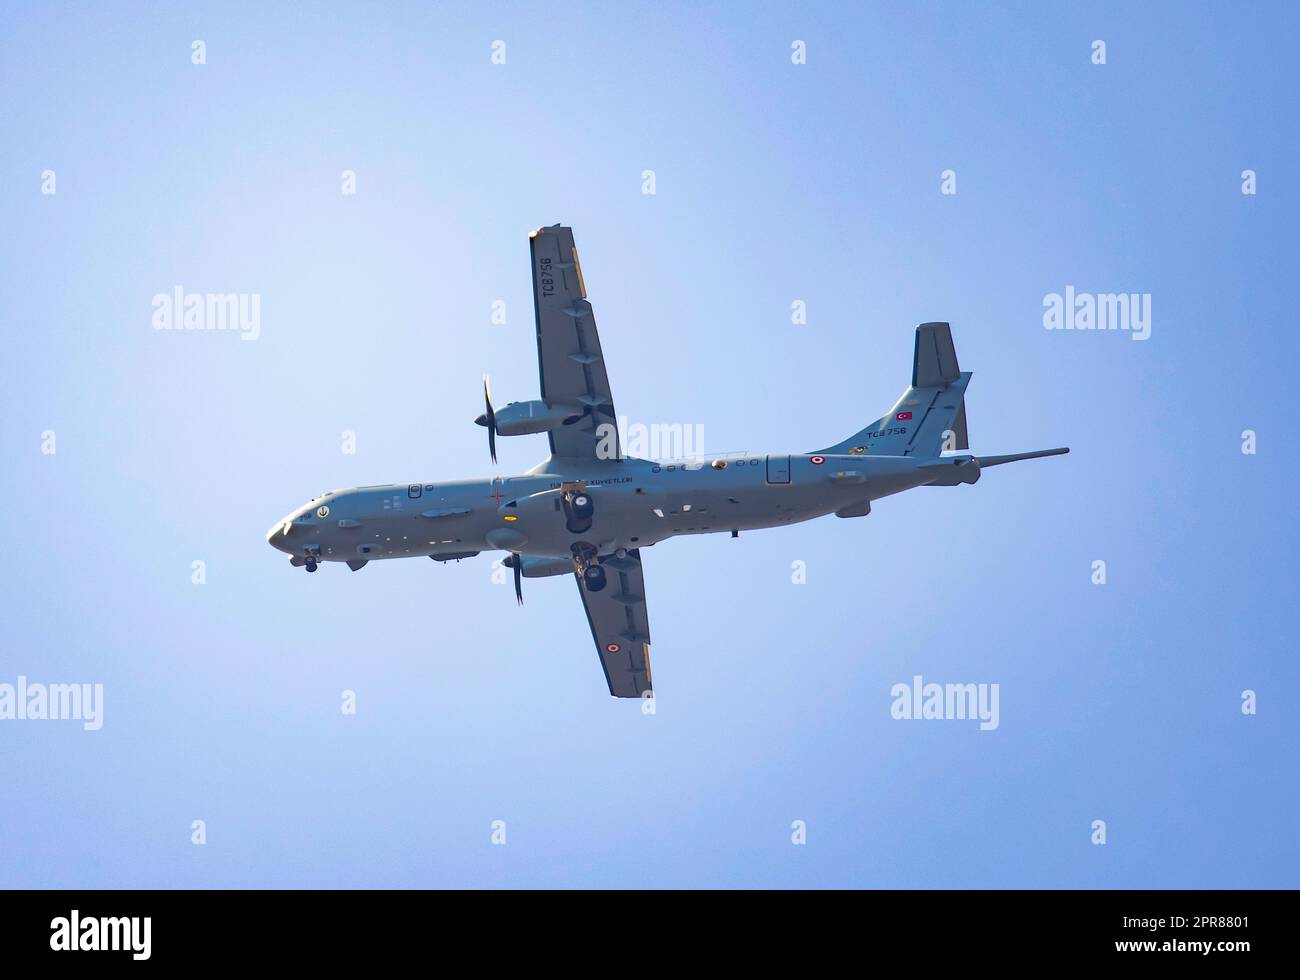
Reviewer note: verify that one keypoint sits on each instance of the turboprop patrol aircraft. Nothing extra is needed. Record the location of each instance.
(588, 512)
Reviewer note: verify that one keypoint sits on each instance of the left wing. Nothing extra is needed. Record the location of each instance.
(569, 359)
(620, 625)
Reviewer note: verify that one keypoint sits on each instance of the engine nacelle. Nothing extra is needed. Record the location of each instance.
(554, 519)
(543, 567)
(537, 508)
(525, 418)
(575, 506)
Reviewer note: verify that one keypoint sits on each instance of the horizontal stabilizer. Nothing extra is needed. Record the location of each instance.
(987, 461)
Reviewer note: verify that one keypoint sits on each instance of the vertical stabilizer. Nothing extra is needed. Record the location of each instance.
(930, 417)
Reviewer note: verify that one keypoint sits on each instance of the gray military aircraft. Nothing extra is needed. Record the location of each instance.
(589, 512)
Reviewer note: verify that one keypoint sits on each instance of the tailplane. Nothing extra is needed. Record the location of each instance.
(987, 461)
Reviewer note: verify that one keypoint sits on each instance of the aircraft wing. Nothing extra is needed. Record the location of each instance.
(620, 627)
(569, 359)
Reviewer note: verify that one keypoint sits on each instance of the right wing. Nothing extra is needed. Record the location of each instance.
(569, 358)
(620, 625)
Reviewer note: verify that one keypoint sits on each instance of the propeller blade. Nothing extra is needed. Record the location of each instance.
(519, 580)
(489, 419)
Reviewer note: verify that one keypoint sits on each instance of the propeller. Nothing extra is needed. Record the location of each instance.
(515, 562)
(489, 419)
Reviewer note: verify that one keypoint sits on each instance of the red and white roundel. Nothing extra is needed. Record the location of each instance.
(612, 648)
(817, 460)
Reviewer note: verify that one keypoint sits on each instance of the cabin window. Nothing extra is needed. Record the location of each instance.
(413, 490)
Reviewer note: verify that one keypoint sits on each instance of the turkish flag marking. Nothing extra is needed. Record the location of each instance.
(903, 416)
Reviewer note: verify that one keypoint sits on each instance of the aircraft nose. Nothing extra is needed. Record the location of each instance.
(278, 536)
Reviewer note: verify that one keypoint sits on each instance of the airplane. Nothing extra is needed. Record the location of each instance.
(588, 511)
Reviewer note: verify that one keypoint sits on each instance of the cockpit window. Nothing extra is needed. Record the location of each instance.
(413, 490)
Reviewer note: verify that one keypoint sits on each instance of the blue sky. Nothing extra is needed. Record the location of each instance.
(774, 182)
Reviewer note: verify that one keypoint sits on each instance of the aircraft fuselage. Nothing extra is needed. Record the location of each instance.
(634, 503)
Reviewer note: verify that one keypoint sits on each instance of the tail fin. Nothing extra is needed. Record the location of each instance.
(930, 417)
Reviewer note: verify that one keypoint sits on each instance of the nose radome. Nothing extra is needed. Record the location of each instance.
(277, 537)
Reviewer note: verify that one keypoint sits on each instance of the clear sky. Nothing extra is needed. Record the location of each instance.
(774, 182)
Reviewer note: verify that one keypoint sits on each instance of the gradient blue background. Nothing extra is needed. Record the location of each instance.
(775, 183)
